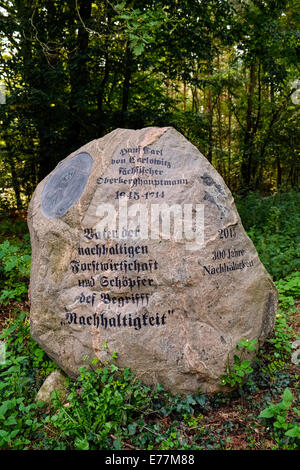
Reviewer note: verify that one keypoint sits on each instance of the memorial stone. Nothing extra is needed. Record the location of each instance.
(137, 247)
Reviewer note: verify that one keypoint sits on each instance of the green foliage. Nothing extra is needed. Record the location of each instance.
(140, 26)
(278, 414)
(172, 439)
(101, 403)
(177, 405)
(236, 373)
(18, 341)
(281, 341)
(19, 414)
(40, 360)
(15, 227)
(273, 225)
(288, 288)
(15, 262)
(18, 421)
(246, 345)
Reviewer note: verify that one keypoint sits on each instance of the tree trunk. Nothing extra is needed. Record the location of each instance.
(248, 135)
(210, 126)
(126, 83)
(229, 142)
(279, 172)
(15, 183)
(79, 74)
(184, 96)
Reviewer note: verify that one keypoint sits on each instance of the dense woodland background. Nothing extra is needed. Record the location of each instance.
(219, 71)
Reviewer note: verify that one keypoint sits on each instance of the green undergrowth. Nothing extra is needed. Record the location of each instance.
(273, 225)
(15, 260)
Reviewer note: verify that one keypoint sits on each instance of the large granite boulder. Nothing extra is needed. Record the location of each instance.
(112, 270)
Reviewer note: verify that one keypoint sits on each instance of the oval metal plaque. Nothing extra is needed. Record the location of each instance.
(66, 185)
